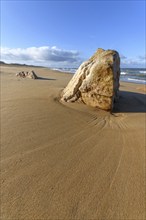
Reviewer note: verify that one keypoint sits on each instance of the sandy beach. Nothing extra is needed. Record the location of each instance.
(69, 161)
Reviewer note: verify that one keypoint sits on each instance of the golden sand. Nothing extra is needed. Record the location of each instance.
(69, 161)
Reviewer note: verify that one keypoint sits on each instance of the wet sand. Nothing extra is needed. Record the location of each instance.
(69, 161)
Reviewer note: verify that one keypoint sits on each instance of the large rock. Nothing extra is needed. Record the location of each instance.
(96, 82)
(30, 74)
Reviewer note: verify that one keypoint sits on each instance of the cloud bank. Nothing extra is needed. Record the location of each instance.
(49, 56)
(56, 57)
(139, 61)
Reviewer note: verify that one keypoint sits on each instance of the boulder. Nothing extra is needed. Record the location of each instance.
(30, 74)
(96, 82)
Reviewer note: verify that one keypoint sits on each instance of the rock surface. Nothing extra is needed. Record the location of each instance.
(30, 74)
(96, 82)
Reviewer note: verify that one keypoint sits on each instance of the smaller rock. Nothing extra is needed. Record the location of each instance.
(30, 74)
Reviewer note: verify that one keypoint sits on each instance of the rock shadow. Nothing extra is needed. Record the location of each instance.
(130, 102)
(43, 78)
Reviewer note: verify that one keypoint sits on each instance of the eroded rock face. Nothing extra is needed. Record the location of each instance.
(96, 82)
(30, 74)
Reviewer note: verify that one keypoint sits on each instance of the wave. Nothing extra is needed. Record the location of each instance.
(124, 73)
(68, 70)
(137, 80)
(56, 69)
(143, 72)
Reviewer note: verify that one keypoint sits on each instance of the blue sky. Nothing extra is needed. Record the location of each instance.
(64, 33)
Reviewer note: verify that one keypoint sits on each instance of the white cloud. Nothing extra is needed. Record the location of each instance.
(123, 57)
(49, 56)
(142, 57)
(139, 61)
(56, 57)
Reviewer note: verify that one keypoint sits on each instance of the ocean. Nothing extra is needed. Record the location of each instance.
(134, 75)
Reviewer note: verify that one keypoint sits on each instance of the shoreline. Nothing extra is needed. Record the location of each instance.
(69, 71)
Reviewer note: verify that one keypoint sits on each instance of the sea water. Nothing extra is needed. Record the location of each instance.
(135, 75)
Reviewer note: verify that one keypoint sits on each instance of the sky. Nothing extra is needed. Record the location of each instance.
(65, 33)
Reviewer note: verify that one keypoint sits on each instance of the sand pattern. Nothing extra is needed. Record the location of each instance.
(69, 161)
